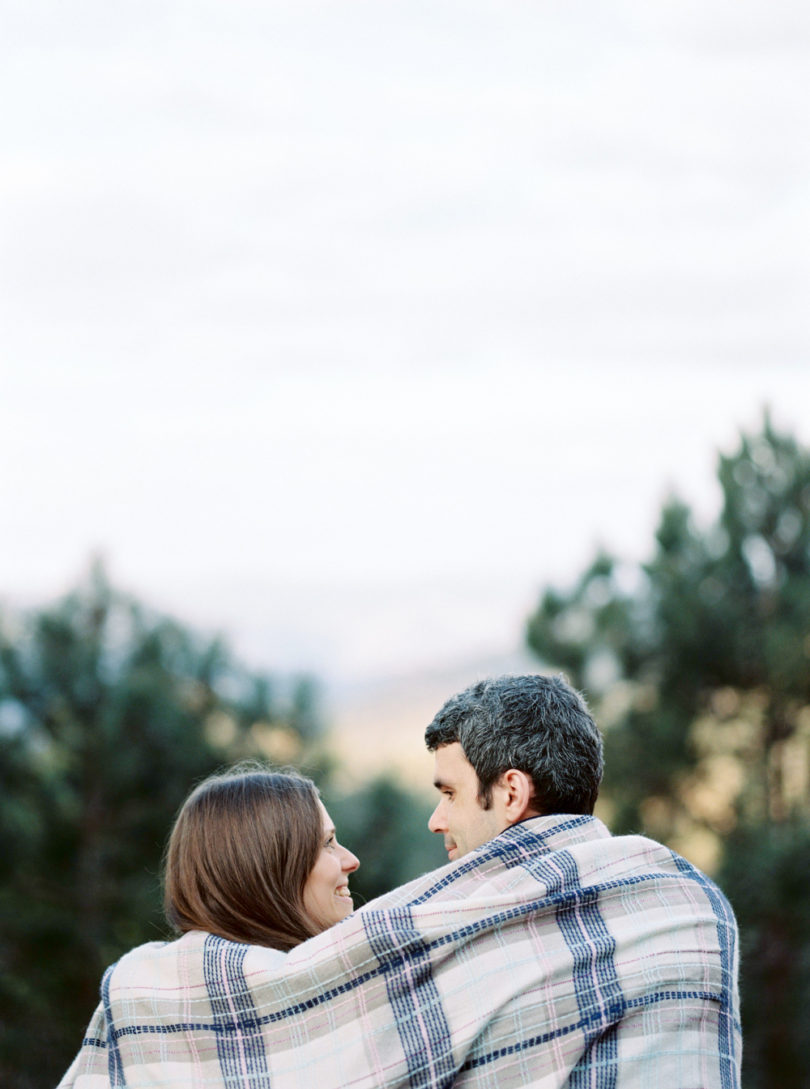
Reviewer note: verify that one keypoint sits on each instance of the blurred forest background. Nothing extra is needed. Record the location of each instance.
(697, 665)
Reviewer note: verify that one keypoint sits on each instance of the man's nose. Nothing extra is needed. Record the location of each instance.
(435, 823)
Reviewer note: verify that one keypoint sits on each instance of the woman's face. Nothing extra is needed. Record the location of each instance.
(326, 893)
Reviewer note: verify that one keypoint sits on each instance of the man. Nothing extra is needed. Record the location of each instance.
(546, 953)
(507, 750)
(649, 944)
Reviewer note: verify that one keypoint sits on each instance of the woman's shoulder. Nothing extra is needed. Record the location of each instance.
(157, 957)
(160, 958)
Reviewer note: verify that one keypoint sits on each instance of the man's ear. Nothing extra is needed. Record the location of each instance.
(516, 791)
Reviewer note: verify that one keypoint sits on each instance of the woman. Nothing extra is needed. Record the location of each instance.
(253, 857)
(252, 860)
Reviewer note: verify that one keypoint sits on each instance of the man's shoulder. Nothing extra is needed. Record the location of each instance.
(598, 860)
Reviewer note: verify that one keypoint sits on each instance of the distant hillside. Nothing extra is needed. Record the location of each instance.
(379, 725)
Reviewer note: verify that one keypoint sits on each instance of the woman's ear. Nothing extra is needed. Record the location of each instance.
(517, 791)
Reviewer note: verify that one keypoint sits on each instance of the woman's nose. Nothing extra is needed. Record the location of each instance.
(349, 862)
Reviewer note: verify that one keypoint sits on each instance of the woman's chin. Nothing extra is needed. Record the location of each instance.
(345, 906)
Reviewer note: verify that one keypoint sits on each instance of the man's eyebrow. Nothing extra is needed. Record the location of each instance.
(441, 785)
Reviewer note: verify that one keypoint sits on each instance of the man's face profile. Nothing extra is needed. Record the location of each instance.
(459, 815)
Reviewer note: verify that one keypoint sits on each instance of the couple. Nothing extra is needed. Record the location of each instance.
(547, 953)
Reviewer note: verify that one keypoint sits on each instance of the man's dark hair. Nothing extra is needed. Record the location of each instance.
(538, 725)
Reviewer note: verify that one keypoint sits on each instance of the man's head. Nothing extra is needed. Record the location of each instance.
(507, 749)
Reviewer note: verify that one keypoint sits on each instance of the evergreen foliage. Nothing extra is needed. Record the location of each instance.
(700, 665)
(108, 715)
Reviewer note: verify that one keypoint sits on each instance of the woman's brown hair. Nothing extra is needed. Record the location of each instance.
(241, 850)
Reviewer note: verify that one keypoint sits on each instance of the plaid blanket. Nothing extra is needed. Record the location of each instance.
(555, 955)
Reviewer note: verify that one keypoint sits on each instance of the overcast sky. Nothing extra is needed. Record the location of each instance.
(346, 326)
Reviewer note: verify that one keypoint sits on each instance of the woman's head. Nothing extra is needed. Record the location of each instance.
(251, 858)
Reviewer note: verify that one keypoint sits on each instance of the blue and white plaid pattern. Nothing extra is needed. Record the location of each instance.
(555, 955)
